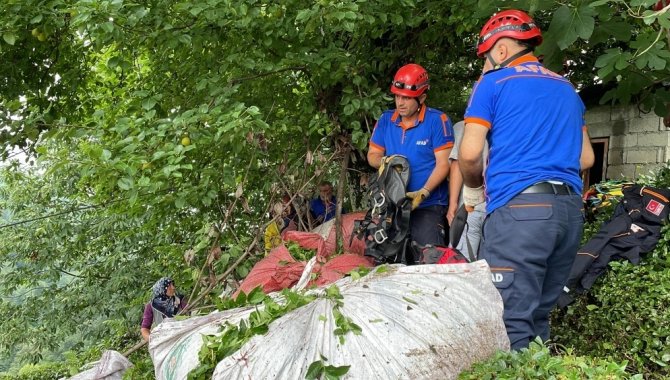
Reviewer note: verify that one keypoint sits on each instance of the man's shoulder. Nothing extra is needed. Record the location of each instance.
(387, 115)
(435, 113)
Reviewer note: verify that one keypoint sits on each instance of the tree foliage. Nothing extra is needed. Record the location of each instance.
(158, 132)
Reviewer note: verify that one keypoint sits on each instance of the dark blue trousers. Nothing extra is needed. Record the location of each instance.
(530, 245)
(427, 225)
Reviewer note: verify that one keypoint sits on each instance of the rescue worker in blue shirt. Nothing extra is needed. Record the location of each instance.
(425, 137)
(534, 122)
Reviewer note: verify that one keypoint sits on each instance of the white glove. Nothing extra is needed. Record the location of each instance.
(473, 196)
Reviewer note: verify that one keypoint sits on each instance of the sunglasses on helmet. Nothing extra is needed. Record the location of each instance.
(403, 86)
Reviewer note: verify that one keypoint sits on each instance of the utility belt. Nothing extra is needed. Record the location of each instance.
(549, 188)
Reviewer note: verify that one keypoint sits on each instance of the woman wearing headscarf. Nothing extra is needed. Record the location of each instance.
(165, 303)
(284, 220)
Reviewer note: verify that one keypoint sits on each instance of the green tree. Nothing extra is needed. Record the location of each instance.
(160, 131)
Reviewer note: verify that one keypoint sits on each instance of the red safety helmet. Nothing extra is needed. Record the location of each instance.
(510, 23)
(411, 80)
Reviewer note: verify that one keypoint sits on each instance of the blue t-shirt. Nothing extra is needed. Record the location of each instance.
(432, 132)
(327, 211)
(536, 120)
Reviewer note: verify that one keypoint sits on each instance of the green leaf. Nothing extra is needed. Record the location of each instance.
(256, 296)
(315, 370)
(569, 24)
(9, 37)
(107, 26)
(410, 300)
(148, 103)
(185, 39)
(623, 61)
(585, 23)
(37, 19)
(125, 183)
(621, 31)
(113, 62)
(337, 372)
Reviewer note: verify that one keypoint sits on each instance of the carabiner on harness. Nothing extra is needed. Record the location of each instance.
(380, 236)
(378, 204)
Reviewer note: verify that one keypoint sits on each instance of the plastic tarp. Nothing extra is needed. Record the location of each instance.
(323, 237)
(175, 344)
(279, 270)
(418, 322)
(111, 366)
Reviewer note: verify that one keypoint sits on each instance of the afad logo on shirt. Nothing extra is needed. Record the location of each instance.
(422, 142)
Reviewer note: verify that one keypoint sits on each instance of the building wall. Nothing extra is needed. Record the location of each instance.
(638, 141)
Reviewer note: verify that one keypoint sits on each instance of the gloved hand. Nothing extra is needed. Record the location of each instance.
(385, 160)
(472, 197)
(418, 196)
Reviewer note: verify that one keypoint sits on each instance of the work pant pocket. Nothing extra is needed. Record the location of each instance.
(502, 277)
(531, 211)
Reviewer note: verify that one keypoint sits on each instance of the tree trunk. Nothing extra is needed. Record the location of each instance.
(340, 196)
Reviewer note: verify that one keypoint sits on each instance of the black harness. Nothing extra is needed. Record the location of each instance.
(386, 229)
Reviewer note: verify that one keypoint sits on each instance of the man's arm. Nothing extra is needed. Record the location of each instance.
(470, 154)
(440, 171)
(587, 157)
(375, 156)
(455, 184)
(317, 216)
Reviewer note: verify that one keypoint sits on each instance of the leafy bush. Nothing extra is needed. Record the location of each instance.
(625, 315)
(537, 362)
(42, 371)
(143, 367)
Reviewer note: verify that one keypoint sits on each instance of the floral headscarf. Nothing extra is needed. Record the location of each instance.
(161, 301)
(160, 287)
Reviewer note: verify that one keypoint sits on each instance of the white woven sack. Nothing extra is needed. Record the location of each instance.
(174, 344)
(418, 322)
(111, 366)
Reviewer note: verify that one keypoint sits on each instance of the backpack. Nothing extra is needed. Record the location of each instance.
(386, 229)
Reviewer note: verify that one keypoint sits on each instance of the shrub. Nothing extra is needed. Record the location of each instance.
(624, 316)
(537, 362)
(143, 367)
(42, 371)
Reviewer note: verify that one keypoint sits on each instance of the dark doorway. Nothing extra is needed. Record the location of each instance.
(597, 172)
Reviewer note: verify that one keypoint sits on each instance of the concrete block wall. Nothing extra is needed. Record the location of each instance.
(639, 143)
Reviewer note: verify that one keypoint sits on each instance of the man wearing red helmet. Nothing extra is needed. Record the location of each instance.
(533, 120)
(424, 136)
